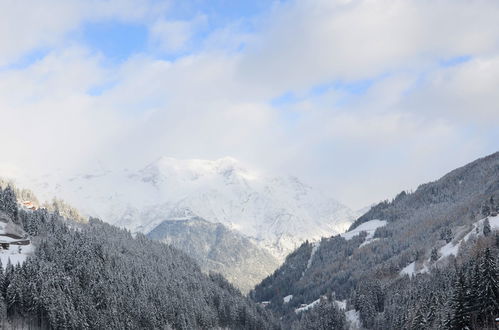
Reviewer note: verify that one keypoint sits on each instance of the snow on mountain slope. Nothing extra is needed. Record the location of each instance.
(369, 227)
(278, 213)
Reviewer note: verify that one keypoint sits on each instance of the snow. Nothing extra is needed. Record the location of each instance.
(307, 307)
(7, 239)
(13, 254)
(287, 299)
(16, 253)
(311, 258)
(452, 248)
(314, 249)
(369, 227)
(449, 249)
(277, 212)
(412, 269)
(494, 222)
(367, 241)
(342, 304)
(409, 269)
(353, 318)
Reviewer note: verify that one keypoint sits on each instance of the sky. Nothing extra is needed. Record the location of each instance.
(360, 98)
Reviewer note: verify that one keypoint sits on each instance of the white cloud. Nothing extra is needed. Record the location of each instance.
(214, 102)
(468, 92)
(174, 35)
(30, 25)
(311, 42)
(48, 119)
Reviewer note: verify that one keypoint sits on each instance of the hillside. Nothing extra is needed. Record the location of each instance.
(385, 269)
(218, 249)
(97, 276)
(277, 212)
(266, 216)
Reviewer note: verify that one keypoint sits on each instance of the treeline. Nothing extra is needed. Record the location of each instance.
(96, 276)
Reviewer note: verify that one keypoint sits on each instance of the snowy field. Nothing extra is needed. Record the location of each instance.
(17, 254)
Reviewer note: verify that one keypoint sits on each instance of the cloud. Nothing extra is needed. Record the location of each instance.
(48, 119)
(379, 102)
(31, 25)
(467, 92)
(312, 42)
(171, 36)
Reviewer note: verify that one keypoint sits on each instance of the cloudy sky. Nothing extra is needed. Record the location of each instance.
(362, 98)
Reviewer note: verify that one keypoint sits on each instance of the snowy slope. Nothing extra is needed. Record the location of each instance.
(369, 227)
(452, 248)
(278, 213)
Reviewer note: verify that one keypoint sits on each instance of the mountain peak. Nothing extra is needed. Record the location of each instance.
(278, 213)
(195, 168)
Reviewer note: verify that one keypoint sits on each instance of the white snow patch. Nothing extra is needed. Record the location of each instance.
(494, 222)
(410, 269)
(452, 248)
(369, 227)
(449, 249)
(287, 299)
(314, 249)
(342, 304)
(15, 256)
(367, 241)
(307, 307)
(353, 318)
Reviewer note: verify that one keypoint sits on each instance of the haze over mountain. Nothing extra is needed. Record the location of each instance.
(218, 249)
(230, 219)
(277, 212)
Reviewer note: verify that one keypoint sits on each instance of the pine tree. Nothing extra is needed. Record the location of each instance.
(486, 227)
(488, 289)
(419, 321)
(460, 304)
(8, 203)
(434, 254)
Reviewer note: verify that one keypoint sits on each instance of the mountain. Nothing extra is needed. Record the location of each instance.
(219, 249)
(96, 276)
(424, 260)
(276, 213)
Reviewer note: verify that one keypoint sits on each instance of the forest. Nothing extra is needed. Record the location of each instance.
(404, 277)
(97, 276)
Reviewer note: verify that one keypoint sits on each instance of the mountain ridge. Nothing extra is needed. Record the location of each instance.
(421, 242)
(277, 213)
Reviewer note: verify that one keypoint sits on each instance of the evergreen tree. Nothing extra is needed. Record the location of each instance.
(434, 254)
(460, 304)
(486, 227)
(8, 203)
(488, 289)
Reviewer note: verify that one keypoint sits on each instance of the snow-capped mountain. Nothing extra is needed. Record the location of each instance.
(278, 213)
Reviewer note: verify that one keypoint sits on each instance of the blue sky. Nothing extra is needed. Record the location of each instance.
(351, 96)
